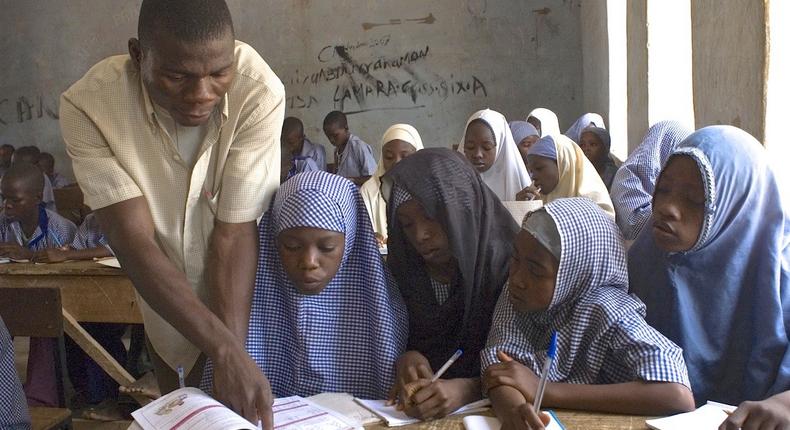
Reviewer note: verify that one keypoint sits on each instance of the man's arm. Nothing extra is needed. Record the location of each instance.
(238, 381)
(230, 269)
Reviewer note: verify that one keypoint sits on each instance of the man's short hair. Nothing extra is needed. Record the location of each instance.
(291, 124)
(336, 118)
(27, 175)
(184, 20)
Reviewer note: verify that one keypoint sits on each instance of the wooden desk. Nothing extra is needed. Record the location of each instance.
(572, 420)
(90, 292)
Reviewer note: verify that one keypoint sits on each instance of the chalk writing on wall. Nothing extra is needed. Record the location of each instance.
(22, 109)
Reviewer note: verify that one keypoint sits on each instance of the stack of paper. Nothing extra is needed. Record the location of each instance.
(394, 418)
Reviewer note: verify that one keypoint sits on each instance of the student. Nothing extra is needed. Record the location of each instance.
(559, 170)
(6, 153)
(291, 165)
(545, 121)
(46, 162)
(29, 155)
(771, 413)
(353, 157)
(525, 135)
(633, 185)
(568, 275)
(715, 280)
(299, 145)
(489, 146)
(326, 315)
(88, 243)
(449, 245)
(595, 142)
(26, 226)
(13, 407)
(574, 132)
(398, 142)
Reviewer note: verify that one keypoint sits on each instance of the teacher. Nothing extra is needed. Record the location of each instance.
(176, 147)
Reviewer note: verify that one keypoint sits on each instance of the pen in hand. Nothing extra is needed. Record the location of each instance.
(545, 371)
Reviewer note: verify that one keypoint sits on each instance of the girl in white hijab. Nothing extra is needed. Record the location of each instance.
(398, 142)
(488, 144)
(545, 121)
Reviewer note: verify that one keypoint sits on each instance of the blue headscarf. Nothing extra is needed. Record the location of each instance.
(602, 337)
(521, 130)
(346, 338)
(726, 301)
(544, 147)
(635, 181)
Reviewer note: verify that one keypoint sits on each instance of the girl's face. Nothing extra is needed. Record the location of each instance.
(533, 274)
(678, 205)
(480, 145)
(524, 145)
(310, 256)
(394, 151)
(544, 173)
(425, 235)
(592, 147)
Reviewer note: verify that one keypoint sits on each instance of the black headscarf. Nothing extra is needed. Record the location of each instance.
(480, 232)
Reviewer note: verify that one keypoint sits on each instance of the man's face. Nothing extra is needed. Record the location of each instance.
(187, 79)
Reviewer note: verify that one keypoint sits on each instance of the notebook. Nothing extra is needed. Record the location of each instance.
(479, 422)
(191, 408)
(709, 416)
(395, 418)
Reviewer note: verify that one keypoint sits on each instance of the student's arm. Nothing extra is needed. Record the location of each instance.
(771, 413)
(15, 251)
(513, 410)
(238, 381)
(438, 399)
(56, 255)
(638, 397)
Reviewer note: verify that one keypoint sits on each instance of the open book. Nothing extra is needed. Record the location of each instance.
(190, 408)
(394, 418)
(708, 416)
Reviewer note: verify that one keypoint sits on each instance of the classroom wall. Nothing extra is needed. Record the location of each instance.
(430, 64)
(595, 58)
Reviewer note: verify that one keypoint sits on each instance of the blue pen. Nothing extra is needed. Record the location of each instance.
(180, 371)
(546, 367)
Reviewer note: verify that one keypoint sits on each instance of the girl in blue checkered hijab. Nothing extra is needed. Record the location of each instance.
(326, 316)
(713, 267)
(568, 275)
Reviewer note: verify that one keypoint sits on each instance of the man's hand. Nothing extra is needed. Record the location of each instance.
(511, 373)
(14, 251)
(242, 386)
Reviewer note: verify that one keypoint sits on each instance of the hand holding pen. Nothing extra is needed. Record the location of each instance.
(514, 374)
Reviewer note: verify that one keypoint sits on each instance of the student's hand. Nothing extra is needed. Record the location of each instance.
(382, 241)
(51, 255)
(409, 367)
(524, 417)
(438, 399)
(242, 386)
(771, 413)
(15, 251)
(511, 373)
(530, 193)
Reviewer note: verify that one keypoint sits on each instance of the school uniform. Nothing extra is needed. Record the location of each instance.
(725, 301)
(301, 164)
(634, 183)
(345, 338)
(508, 174)
(356, 159)
(315, 152)
(371, 189)
(53, 231)
(13, 406)
(602, 337)
(480, 232)
(610, 163)
(574, 132)
(58, 180)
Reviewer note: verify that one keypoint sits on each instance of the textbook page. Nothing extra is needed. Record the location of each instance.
(344, 404)
(188, 408)
(708, 416)
(479, 422)
(395, 418)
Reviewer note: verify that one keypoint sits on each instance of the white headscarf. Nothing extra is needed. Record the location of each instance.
(575, 131)
(371, 189)
(508, 175)
(549, 125)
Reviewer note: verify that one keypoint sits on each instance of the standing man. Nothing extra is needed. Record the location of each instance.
(176, 148)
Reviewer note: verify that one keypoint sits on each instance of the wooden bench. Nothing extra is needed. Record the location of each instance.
(36, 312)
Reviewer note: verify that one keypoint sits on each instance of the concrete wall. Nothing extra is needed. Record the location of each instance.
(636, 17)
(595, 58)
(444, 60)
(729, 60)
